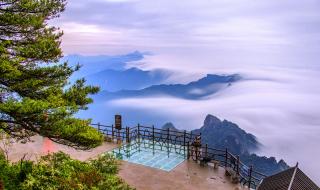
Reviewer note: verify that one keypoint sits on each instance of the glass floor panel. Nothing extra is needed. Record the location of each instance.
(158, 155)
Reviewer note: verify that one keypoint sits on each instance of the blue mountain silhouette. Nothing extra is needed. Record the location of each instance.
(97, 63)
(194, 90)
(130, 79)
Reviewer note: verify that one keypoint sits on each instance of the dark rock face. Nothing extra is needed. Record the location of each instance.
(211, 121)
(225, 134)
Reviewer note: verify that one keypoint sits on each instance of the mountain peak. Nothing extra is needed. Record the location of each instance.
(169, 126)
(211, 120)
(225, 134)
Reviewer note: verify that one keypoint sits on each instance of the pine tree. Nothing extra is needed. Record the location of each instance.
(35, 95)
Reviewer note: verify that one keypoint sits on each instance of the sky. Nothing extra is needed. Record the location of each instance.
(274, 44)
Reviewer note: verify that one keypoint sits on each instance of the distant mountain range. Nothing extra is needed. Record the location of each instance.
(116, 80)
(224, 134)
(194, 90)
(130, 79)
(111, 73)
(94, 64)
(97, 63)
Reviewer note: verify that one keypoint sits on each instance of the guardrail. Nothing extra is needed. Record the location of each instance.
(184, 139)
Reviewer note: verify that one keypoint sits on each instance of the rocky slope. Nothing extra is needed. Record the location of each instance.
(224, 134)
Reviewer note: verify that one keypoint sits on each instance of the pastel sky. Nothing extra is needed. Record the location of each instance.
(197, 34)
(275, 44)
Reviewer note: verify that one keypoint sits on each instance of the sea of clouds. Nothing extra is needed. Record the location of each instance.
(274, 45)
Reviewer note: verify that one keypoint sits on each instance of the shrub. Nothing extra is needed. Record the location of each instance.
(59, 171)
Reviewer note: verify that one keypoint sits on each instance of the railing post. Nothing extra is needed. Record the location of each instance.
(184, 142)
(250, 176)
(138, 133)
(191, 139)
(168, 133)
(153, 138)
(112, 132)
(128, 134)
(226, 158)
(152, 134)
(99, 127)
(168, 151)
(188, 150)
(238, 164)
(206, 151)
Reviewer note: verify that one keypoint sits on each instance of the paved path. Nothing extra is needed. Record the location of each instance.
(187, 176)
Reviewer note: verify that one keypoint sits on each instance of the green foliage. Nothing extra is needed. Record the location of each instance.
(59, 171)
(106, 164)
(35, 96)
(12, 175)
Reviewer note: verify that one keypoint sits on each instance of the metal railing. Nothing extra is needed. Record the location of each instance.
(181, 142)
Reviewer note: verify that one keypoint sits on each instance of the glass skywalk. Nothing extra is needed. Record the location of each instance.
(158, 155)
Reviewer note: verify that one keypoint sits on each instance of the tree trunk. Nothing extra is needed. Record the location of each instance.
(1, 185)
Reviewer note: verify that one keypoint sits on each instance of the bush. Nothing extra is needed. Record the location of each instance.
(59, 171)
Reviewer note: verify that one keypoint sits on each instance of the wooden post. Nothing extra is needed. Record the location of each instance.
(238, 164)
(226, 158)
(250, 176)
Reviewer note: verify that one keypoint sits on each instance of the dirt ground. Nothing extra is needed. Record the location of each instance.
(42, 146)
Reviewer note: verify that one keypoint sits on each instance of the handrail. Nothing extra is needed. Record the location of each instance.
(184, 138)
